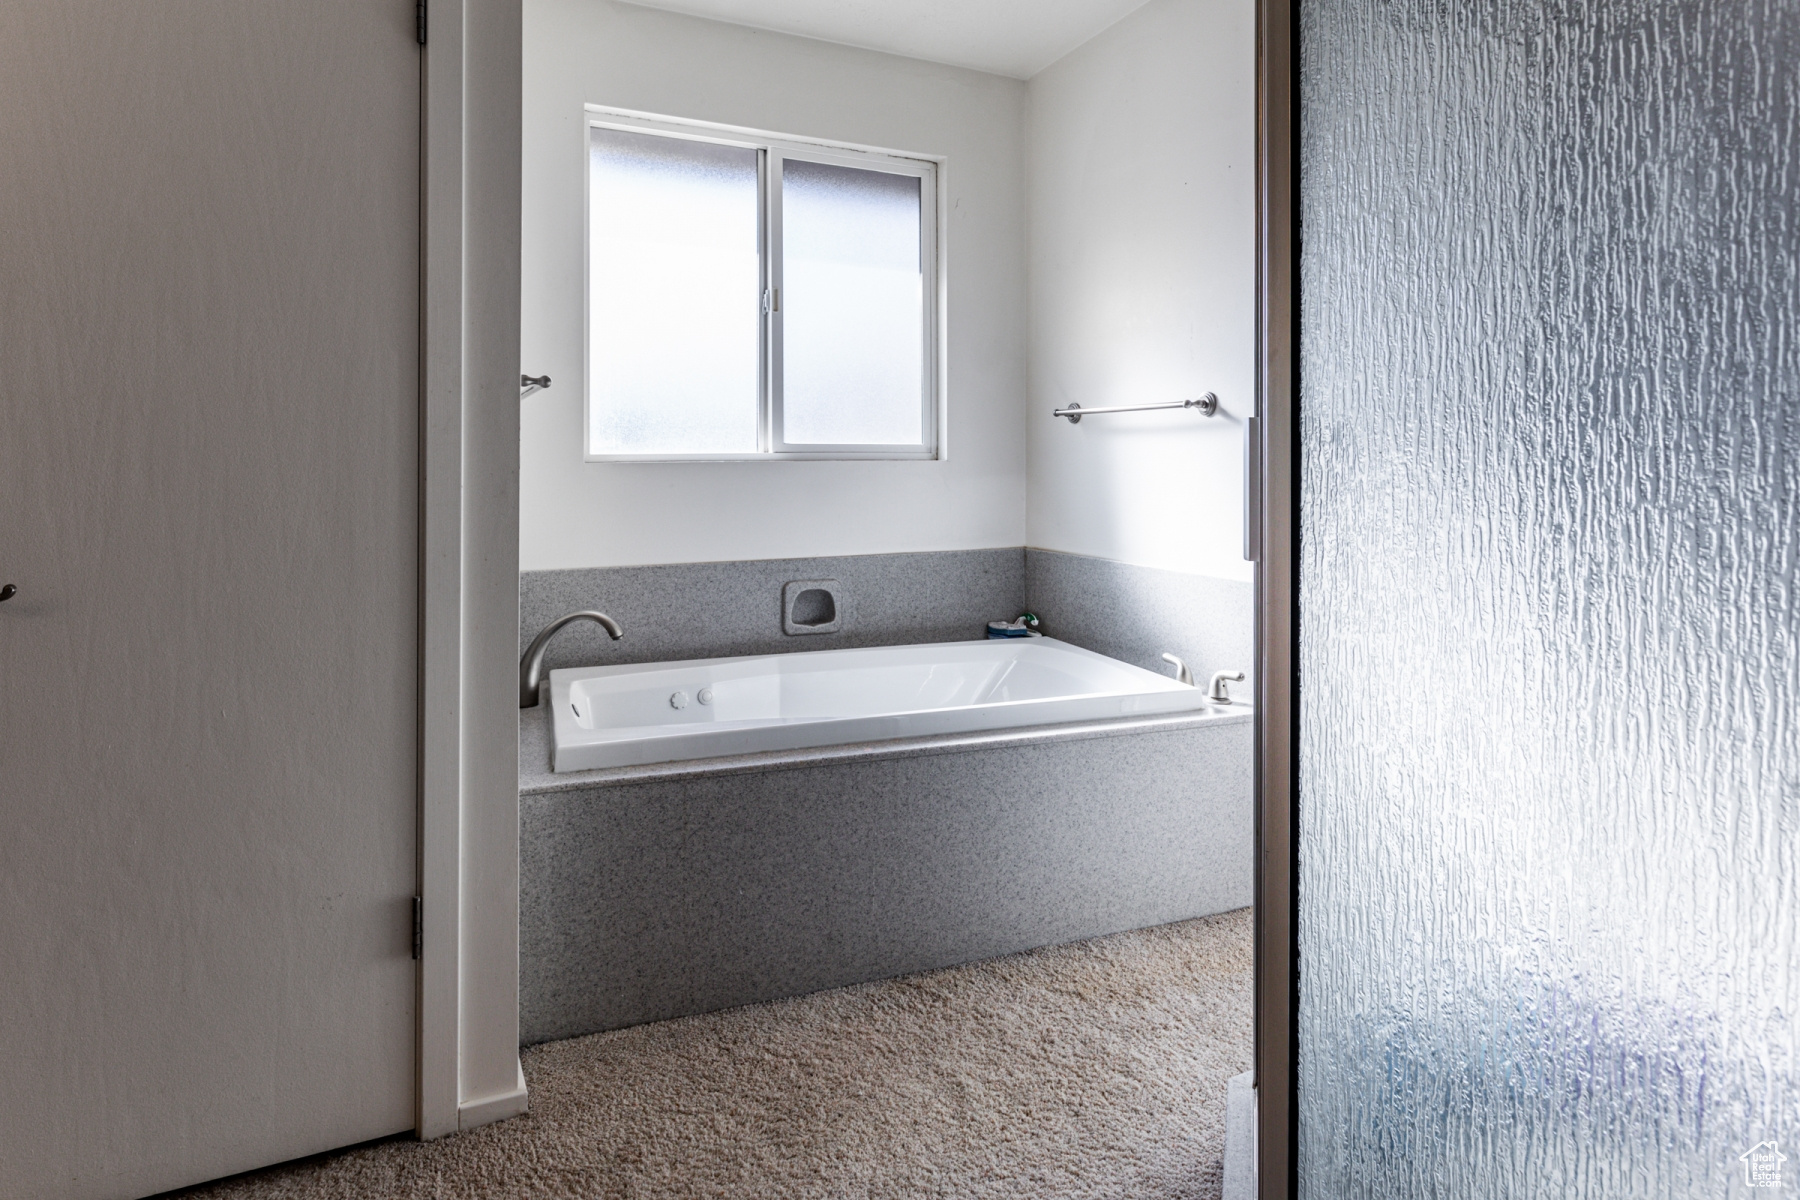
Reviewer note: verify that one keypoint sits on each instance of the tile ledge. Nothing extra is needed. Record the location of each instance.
(538, 779)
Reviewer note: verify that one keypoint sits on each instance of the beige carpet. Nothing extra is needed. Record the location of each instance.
(1086, 1070)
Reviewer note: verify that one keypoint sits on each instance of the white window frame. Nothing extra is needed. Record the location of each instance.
(772, 151)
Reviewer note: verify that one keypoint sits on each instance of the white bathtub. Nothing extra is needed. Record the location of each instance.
(667, 712)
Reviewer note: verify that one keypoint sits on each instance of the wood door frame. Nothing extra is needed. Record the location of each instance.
(467, 1048)
(1275, 535)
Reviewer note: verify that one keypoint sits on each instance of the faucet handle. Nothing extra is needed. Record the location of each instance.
(1219, 693)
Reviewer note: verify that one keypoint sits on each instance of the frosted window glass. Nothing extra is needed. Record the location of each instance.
(852, 299)
(675, 288)
(1549, 813)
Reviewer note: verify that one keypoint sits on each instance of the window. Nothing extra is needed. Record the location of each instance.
(757, 297)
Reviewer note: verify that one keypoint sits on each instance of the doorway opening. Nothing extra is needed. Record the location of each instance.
(1088, 278)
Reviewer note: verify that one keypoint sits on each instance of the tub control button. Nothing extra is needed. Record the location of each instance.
(678, 700)
(705, 696)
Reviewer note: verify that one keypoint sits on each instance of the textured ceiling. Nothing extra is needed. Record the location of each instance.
(1007, 37)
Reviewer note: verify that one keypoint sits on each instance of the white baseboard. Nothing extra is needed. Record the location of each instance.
(1240, 1137)
(474, 1113)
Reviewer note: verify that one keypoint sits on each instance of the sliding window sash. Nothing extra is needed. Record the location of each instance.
(773, 152)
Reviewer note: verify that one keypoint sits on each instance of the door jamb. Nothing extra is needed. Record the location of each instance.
(1276, 540)
(467, 1032)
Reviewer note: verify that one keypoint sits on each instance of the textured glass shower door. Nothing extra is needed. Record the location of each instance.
(1549, 773)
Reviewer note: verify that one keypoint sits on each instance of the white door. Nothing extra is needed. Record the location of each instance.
(208, 506)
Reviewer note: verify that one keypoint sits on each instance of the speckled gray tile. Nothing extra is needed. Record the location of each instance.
(650, 893)
(1134, 614)
(643, 901)
(703, 610)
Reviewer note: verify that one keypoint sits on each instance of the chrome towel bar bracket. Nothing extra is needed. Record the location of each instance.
(1207, 404)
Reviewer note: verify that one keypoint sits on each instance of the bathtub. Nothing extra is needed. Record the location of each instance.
(662, 890)
(706, 708)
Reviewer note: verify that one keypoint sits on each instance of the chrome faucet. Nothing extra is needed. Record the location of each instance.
(1219, 693)
(531, 664)
(1183, 674)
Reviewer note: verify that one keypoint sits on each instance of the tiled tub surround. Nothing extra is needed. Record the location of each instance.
(659, 891)
(707, 610)
(712, 610)
(1134, 614)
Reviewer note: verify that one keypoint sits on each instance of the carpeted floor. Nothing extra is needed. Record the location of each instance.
(1087, 1070)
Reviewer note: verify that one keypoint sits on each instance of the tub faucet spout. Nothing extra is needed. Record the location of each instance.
(531, 664)
(1183, 673)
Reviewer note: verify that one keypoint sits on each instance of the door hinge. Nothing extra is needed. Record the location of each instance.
(419, 25)
(418, 927)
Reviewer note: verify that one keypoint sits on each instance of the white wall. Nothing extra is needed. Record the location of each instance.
(1142, 270)
(578, 514)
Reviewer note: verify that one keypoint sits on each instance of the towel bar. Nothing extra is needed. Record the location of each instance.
(1207, 404)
